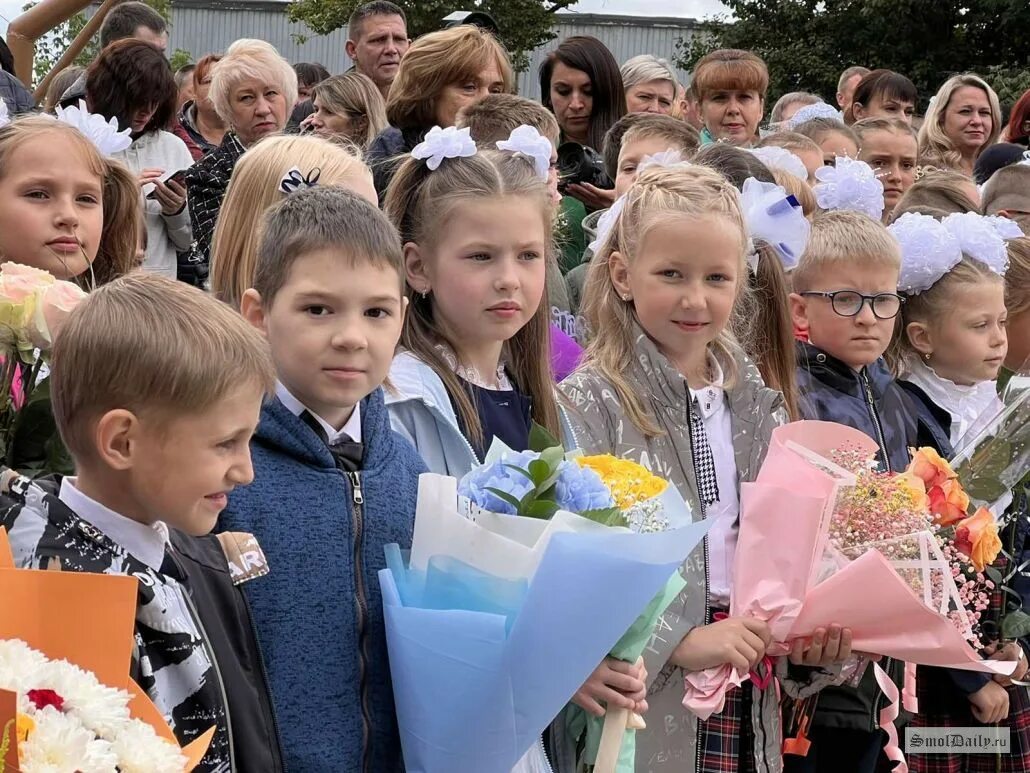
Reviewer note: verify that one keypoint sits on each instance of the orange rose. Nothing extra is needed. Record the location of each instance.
(977, 538)
(928, 465)
(914, 487)
(948, 502)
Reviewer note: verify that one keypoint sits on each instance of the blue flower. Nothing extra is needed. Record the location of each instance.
(580, 489)
(501, 477)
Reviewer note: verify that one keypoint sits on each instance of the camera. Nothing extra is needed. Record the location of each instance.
(581, 164)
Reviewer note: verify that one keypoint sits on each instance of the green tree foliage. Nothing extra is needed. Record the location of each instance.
(807, 43)
(50, 47)
(524, 24)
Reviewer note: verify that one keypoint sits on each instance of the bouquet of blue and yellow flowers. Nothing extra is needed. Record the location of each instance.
(522, 577)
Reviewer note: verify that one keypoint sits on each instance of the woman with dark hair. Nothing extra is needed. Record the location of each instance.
(309, 75)
(198, 120)
(132, 82)
(883, 94)
(1018, 129)
(581, 84)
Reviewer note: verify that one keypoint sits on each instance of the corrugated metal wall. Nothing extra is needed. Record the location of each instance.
(203, 26)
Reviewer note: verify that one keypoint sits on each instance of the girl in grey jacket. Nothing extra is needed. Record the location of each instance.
(665, 384)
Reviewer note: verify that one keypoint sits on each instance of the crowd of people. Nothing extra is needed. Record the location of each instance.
(305, 289)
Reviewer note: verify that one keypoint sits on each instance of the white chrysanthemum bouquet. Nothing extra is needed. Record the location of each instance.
(68, 721)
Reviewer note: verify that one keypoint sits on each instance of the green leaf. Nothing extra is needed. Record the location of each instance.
(1015, 625)
(994, 575)
(507, 498)
(521, 471)
(540, 439)
(539, 472)
(608, 516)
(542, 508)
(553, 456)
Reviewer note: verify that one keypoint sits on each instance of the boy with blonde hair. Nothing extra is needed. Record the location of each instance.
(846, 299)
(334, 483)
(156, 391)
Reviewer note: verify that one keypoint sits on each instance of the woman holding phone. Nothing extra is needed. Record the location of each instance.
(132, 82)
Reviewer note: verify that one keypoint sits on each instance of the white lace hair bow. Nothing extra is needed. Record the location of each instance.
(101, 132)
(928, 251)
(983, 238)
(850, 185)
(780, 158)
(606, 222)
(439, 144)
(527, 141)
(776, 218)
(816, 110)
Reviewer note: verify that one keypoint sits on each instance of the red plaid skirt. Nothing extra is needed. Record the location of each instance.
(727, 738)
(1016, 761)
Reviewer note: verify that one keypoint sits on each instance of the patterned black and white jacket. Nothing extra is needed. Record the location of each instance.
(206, 184)
(174, 660)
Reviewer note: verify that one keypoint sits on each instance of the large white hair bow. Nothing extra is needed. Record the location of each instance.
(775, 218)
(439, 144)
(983, 238)
(928, 251)
(851, 185)
(100, 131)
(527, 141)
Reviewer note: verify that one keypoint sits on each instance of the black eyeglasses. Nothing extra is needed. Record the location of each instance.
(848, 303)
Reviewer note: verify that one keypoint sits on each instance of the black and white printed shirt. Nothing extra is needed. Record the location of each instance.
(172, 662)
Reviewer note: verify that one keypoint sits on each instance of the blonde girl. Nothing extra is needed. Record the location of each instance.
(889, 146)
(666, 384)
(953, 345)
(474, 362)
(262, 177)
(953, 341)
(963, 119)
(66, 209)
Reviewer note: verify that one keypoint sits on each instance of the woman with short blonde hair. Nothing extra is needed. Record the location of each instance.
(253, 90)
(440, 74)
(964, 119)
(650, 85)
(348, 107)
(262, 177)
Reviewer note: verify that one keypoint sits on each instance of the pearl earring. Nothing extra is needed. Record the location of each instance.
(627, 297)
(425, 294)
(927, 356)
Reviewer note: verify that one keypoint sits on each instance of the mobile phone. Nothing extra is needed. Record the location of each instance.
(178, 177)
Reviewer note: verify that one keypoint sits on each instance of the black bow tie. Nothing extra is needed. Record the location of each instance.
(347, 453)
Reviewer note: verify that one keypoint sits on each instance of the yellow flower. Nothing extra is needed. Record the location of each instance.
(629, 482)
(913, 485)
(25, 727)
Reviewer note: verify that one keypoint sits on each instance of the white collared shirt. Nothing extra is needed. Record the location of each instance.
(350, 431)
(971, 407)
(144, 542)
(722, 537)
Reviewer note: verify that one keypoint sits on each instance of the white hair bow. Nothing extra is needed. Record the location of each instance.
(606, 222)
(928, 251)
(851, 185)
(665, 158)
(983, 238)
(775, 218)
(527, 141)
(439, 144)
(776, 157)
(815, 110)
(101, 132)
